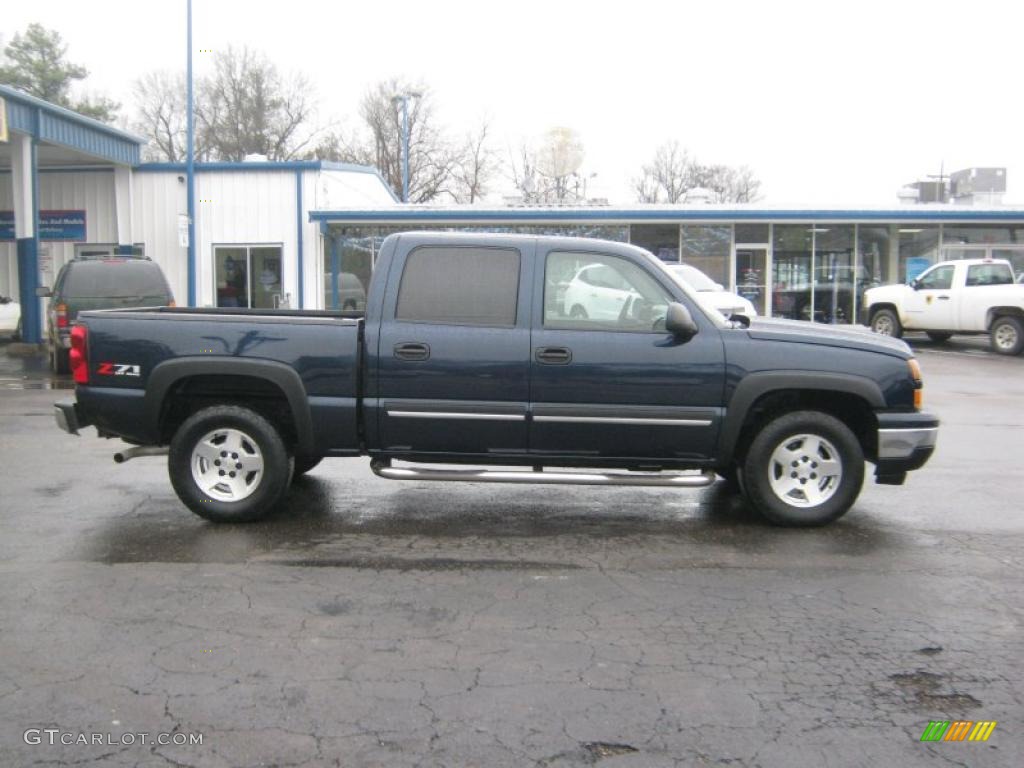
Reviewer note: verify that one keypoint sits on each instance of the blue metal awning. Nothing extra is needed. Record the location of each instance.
(55, 125)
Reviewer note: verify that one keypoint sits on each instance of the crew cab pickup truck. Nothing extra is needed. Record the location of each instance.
(965, 296)
(465, 357)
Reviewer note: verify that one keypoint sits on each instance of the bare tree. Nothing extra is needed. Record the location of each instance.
(248, 107)
(668, 177)
(431, 158)
(674, 172)
(524, 176)
(475, 166)
(160, 115)
(340, 147)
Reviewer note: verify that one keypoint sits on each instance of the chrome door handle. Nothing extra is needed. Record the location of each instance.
(412, 350)
(554, 355)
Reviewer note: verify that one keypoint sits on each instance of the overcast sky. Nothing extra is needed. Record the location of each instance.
(829, 103)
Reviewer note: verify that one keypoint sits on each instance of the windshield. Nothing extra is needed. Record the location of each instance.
(693, 277)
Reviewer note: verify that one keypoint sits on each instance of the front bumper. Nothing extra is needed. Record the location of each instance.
(905, 442)
(69, 416)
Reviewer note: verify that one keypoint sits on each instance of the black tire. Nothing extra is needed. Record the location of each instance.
(578, 312)
(349, 305)
(265, 491)
(60, 360)
(809, 437)
(939, 336)
(887, 323)
(1007, 335)
(305, 463)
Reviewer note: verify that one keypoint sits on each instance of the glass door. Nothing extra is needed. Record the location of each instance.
(265, 278)
(249, 276)
(751, 274)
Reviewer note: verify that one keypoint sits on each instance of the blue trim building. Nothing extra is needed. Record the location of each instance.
(803, 263)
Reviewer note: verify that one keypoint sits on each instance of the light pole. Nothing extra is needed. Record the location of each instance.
(190, 170)
(403, 98)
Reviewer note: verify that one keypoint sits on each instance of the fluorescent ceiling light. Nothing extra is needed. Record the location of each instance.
(910, 231)
(818, 229)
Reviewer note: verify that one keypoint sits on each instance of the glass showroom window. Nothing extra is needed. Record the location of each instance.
(248, 276)
(708, 249)
(660, 239)
(791, 271)
(919, 249)
(873, 244)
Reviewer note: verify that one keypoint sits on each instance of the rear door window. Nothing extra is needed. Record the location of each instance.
(460, 286)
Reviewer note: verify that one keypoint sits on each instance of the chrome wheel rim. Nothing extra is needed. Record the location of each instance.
(227, 465)
(805, 470)
(1006, 336)
(883, 325)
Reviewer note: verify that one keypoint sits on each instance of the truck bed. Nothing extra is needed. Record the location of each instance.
(138, 355)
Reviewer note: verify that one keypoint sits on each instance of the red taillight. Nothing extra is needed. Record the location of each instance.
(62, 315)
(78, 358)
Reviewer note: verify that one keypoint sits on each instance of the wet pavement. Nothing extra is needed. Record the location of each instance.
(375, 623)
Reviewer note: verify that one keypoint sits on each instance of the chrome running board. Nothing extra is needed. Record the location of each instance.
(383, 468)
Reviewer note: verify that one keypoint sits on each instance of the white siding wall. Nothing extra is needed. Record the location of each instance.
(158, 198)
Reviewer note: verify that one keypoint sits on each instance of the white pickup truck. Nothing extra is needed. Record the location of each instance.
(964, 296)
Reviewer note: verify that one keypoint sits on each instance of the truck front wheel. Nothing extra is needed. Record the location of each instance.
(229, 464)
(885, 322)
(1007, 335)
(803, 469)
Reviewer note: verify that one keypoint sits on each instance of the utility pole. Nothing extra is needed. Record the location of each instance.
(190, 171)
(941, 179)
(403, 98)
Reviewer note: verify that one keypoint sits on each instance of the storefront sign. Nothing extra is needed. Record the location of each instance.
(916, 265)
(53, 225)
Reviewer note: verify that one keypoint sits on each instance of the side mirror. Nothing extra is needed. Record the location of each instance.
(915, 284)
(44, 292)
(679, 322)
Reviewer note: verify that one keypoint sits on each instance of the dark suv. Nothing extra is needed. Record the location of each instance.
(105, 282)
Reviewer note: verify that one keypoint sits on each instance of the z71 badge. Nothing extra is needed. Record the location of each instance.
(118, 369)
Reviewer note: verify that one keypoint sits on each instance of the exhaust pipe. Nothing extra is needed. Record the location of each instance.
(384, 469)
(140, 450)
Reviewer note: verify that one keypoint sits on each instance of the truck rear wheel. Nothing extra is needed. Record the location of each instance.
(1007, 335)
(885, 322)
(805, 468)
(229, 464)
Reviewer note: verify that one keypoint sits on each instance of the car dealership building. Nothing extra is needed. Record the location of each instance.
(306, 234)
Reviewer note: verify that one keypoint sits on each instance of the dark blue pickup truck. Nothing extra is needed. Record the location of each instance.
(536, 359)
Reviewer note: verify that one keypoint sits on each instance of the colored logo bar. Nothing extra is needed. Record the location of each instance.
(958, 730)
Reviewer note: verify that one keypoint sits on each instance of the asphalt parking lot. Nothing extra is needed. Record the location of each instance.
(388, 624)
